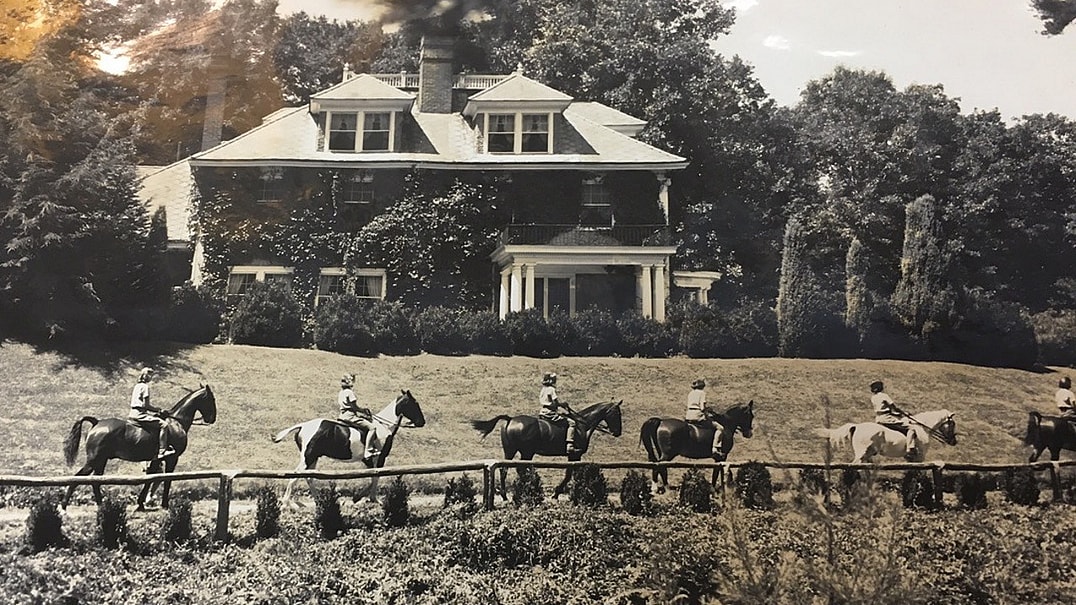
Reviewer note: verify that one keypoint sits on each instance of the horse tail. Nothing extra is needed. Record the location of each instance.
(74, 438)
(839, 436)
(648, 436)
(1034, 424)
(283, 434)
(486, 426)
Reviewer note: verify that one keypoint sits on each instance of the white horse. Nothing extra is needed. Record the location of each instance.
(321, 437)
(869, 439)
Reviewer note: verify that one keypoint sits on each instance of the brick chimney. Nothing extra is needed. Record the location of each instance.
(436, 74)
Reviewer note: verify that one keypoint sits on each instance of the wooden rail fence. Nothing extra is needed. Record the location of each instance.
(226, 478)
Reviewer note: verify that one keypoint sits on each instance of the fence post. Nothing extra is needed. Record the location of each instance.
(488, 484)
(936, 475)
(224, 501)
(1055, 480)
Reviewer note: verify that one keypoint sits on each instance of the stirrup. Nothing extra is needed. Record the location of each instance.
(168, 451)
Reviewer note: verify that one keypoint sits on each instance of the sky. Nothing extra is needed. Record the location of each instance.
(989, 54)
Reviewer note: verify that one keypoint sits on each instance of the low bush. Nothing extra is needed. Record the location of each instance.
(635, 495)
(917, 490)
(177, 526)
(970, 490)
(527, 489)
(111, 523)
(327, 516)
(462, 494)
(485, 333)
(1021, 486)
(596, 334)
(194, 315)
(267, 516)
(394, 506)
(269, 315)
(588, 487)
(754, 486)
(645, 337)
(696, 493)
(440, 331)
(339, 327)
(391, 326)
(814, 480)
(530, 334)
(44, 526)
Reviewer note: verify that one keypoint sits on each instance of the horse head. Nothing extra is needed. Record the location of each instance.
(201, 401)
(613, 419)
(947, 429)
(407, 406)
(740, 417)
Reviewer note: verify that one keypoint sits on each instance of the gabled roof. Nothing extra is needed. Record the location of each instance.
(370, 91)
(517, 91)
(608, 117)
(168, 187)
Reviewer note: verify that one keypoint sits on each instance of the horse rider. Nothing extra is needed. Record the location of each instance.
(888, 415)
(1065, 398)
(551, 407)
(147, 415)
(696, 413)
(351, 413)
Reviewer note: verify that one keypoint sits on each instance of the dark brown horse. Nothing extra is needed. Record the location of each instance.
(322, 437)
(667, 438)
(529, 436)
(121, 438)
(1049, 433)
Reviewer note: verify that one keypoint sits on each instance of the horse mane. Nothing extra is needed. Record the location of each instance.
(189, 396)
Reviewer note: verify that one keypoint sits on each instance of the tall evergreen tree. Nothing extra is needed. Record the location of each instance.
(924, 300)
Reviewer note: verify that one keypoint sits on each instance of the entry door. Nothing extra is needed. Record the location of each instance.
(552, 294)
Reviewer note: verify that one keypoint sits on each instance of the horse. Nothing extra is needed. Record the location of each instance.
(121, 438)
(869, 439)
(529, 436)
(667, 438)
(322, 437)
(1049, 432)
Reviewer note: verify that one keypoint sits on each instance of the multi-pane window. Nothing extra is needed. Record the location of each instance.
(375, 132)
(242, 279)
(362, 131)
(502, 133)
(367, 283)
(535, 133)
(272, 186)
(518, 133)
(369, 286)
(330, 286)
(239, 284)
(342, 131)
(596, 208)
(358, 188)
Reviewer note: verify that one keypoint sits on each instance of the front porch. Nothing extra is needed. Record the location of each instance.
(571, 269)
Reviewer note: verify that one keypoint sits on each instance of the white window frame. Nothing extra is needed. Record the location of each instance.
(341, 272)
(259, 272)
(361, 181)
(359, 117)
(590, 184)
(518, 118)
(272, 183)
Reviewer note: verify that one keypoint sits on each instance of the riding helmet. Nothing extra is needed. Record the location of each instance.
(1065, 383)
(549, 379)
(877, 386)
(347, 381)
(145, 374)
(698, 384)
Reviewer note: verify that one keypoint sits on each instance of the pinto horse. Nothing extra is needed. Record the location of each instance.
(667, 438)
(869, 439)
(121, 438)
(321, 437)
(529, 436)
(1049, 432)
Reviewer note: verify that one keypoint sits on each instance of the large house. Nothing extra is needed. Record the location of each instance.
(589, 203)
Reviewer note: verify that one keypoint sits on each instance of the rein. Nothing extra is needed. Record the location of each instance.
(933, 432)
(587, 424)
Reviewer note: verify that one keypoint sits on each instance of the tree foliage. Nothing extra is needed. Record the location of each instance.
(1055, 14)
(311, 52)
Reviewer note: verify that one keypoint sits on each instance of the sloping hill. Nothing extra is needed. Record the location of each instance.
(261, 390)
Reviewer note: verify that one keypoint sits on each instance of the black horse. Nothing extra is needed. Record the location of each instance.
(121, 438)
(529, 436)
(667, 438)
(321, 437)
(1049, 432)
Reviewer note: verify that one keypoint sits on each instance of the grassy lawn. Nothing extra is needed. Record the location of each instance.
(261, 390)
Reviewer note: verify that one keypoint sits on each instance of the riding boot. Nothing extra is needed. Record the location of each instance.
(166, 450)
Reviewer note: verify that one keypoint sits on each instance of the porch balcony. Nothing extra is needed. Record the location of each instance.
(581, 235)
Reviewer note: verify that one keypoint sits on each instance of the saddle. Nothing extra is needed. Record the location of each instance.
(900, 428)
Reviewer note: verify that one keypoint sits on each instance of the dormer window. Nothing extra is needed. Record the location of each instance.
(518, 133)
(360, 131)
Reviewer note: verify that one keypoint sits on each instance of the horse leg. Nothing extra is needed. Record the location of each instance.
(1037, 452)
(504, 490)
(563, 487)
(371, 491)
(166, 485)
(86, 470)
(1055, 453)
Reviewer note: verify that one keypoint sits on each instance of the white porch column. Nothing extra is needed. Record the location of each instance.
(516, 297)
(502, 309)
(659, 292)
(704, 296)
(528, 301)
(646, 285)
(663, 194)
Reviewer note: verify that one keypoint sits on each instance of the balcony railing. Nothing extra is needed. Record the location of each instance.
(463, 81)
(580, 235)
